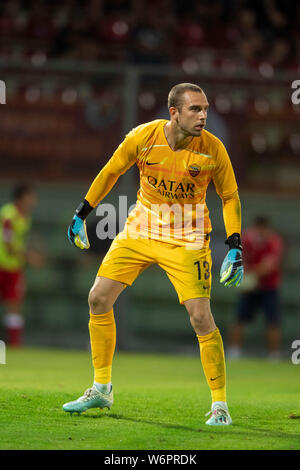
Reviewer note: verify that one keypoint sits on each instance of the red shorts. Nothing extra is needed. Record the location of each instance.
(12, 286)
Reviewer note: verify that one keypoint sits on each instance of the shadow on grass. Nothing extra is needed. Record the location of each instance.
(252, 432)
(142, 421)
(271, 432)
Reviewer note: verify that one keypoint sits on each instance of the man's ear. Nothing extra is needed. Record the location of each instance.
(173, 112)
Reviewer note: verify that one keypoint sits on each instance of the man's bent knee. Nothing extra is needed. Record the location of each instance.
(98, 302)
(103, 295)
(200, 316)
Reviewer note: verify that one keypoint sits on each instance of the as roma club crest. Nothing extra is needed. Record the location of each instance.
(194, 170)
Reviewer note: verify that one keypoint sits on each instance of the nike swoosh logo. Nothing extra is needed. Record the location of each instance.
(155, 163)
(216, 378)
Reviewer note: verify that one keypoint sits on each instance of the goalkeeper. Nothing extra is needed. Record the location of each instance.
(177, 159)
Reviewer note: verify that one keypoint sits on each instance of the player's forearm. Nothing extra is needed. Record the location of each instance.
(123, 158)
(232, 214)
(232, 270)
(101, 186)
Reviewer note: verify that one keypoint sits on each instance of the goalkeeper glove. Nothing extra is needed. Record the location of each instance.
(232, 270)
(77, 233)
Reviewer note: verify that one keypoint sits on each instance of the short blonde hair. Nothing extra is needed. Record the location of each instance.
(175, 94)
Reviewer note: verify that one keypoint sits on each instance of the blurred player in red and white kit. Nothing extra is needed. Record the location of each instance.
(15, 224)
(262, 251)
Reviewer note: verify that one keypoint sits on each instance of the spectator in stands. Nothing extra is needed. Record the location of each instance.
(262, 253)
(150, 39)
(250, 40)
(155, 32)
(15, 222)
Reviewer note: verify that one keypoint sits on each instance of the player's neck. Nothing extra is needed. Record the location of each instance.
(176, 137)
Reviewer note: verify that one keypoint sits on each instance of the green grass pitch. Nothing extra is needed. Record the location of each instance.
(160, 403)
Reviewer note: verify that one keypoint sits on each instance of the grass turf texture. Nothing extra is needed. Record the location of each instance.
(160, 402)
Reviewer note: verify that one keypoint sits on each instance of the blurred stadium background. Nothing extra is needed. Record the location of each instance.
(79, 75)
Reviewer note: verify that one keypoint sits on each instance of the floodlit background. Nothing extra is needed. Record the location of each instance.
(79, 75)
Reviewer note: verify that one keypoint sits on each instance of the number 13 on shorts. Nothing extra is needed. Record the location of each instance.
(205, 270)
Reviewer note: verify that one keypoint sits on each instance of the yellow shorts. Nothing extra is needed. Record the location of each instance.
(188, 270)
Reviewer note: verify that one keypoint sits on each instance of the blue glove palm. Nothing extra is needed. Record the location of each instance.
(77, 233)
(232, 270)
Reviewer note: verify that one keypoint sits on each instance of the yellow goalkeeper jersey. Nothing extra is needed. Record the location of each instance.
(170, 180)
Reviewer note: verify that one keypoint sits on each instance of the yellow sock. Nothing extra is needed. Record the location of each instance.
(213, 363)
(103, 341)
